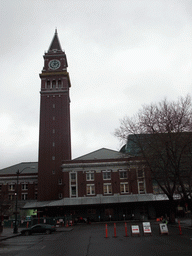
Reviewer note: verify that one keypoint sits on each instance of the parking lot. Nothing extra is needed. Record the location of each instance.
(85, 240)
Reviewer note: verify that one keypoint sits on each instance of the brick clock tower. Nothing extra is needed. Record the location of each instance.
(54, 134)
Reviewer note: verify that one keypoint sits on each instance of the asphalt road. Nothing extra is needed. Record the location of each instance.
(90, 240)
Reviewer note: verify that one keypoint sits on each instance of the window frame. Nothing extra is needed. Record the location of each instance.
(24, 196)
(121, 172)
(73, 186)
(60, 182)
(105, 173)
(24, 186)
(124, 187)
(90, 174)
(60, 195)
(11, 186)
(11, 197)
(91, 189)
(109, 188)
(73, 173)
(144, 188)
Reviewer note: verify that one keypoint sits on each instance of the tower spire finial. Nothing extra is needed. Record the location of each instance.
(55, 44)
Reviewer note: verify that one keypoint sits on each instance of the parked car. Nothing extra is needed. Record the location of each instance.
(39, 228)
(80, 220)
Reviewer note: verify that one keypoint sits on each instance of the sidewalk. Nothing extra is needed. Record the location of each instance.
(8, 232)
(186, 222)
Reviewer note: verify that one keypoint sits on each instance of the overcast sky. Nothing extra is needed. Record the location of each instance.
(121, 55)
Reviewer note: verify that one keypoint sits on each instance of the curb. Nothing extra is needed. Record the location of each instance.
(7, 237)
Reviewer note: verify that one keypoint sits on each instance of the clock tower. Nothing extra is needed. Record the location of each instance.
(54, 133)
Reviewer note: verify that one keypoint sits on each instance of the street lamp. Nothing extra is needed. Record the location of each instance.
(15, 230)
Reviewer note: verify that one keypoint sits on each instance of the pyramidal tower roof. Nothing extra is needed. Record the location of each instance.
(55, 44)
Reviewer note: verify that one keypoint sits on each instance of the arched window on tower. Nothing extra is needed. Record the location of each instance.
(59, 83)
(48, 84)
(53, 84)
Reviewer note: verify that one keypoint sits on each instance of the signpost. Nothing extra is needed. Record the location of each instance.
(163, 229)
(135, 230)
(147, 228)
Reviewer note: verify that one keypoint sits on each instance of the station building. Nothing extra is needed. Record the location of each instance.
(102, 185)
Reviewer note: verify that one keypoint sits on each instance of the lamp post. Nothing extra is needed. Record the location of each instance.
(15, 230)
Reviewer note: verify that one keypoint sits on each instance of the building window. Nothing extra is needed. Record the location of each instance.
(53, 130)
(11, 197)
(59, 83)
(24, 196)
(53, 172)
(35, 195)
(0, 187)
(140, 173)
(60, 181)
(124, 187)
(53, 144)
(53, 157)
(107, 188)
(25, 186)
(53, 105)
(123, 174)
(11, 187)
(73, 177)
(141, 187)
(36, 185)
(90, 189)
(73, 190)
(48, 84)
(89, 176)
(53, 84)
(53, 118)
(107, 175)
(60, 195)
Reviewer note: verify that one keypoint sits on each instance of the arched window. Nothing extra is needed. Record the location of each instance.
(53, 84)
(59, 83)
(48, 84)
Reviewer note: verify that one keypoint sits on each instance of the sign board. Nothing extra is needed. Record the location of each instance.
(163, 228)
(146, 228)
(135, 229)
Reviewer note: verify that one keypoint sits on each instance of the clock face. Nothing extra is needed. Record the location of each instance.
(54, 64)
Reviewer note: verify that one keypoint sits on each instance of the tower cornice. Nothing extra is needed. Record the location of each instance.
(54, 73)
